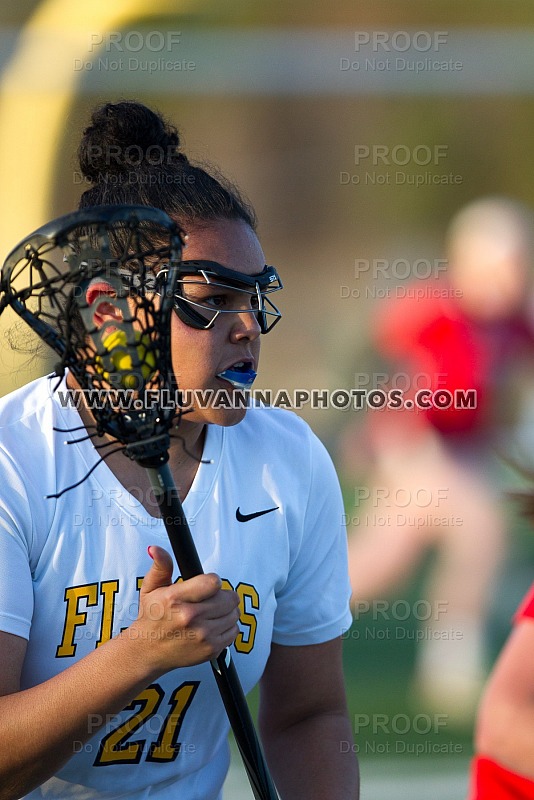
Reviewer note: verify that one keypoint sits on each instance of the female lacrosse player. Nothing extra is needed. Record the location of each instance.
(106, 690)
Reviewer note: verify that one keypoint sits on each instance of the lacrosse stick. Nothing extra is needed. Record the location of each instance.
(128, 257)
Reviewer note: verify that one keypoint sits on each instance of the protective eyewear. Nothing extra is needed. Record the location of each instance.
(207, 289)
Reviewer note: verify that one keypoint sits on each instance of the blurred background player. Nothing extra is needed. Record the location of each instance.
(503, 767)
(433, 474)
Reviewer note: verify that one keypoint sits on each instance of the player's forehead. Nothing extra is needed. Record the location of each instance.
(230, 243)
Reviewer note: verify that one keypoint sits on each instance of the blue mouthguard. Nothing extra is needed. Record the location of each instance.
(241, 380)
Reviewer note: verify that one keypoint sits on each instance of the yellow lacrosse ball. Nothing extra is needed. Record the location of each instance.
(121, 358)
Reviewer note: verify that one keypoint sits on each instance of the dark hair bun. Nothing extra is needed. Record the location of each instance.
(126, 136)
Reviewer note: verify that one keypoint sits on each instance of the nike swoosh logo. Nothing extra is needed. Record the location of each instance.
(246, 517)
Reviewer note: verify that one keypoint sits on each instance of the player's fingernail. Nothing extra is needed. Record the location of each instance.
(149, 551)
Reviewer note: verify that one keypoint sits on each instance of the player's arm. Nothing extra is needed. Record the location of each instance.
(505, 725)
(190, 622)
(304, 723)
(38, 726)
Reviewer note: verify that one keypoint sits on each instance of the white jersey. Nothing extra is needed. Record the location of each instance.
(266, 515)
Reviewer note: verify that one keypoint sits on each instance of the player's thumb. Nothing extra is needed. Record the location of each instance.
(160, 573)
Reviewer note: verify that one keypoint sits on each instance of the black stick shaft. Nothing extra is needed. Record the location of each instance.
(223, 667)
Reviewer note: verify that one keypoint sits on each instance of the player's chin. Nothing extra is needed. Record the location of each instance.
(228, 416)
(225, 417)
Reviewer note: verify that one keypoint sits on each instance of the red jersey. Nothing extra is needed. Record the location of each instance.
(433, 339)
(526, 609)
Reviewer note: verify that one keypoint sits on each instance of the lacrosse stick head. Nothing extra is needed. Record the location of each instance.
(98, 286)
